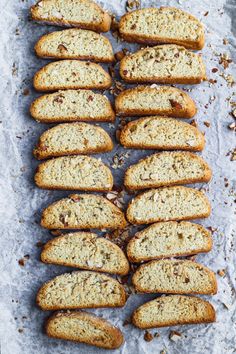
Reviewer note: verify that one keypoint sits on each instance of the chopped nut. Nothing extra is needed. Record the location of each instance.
(62, 48)
(175, 336)
(232, 126)
(175, 104)
(234, 113)
(225, 41)
(26, 92)
(233, 155)
(225, 60)
(221, 272)
(194, 123)
(148, 337)
(206, 13)
(132, 5)
(207, 124)
(214, 70)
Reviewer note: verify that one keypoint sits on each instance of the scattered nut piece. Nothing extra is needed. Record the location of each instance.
(175, 336)
(225, 60)
(148, 337)
(221, 272)
(207, 124)
(232, 126)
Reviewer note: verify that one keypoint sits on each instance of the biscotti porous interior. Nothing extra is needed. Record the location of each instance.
(163, 25)
(155, 100)
(175, 277)
(167, 64)
(79, 13)
(173, 310)
(83, 211)
(72, 139)
(75, 43)
(86, 250)
(168, 203)
(161, 133)
(71, 74)
(84, 327)
(81, 289)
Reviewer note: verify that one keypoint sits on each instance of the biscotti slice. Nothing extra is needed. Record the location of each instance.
(163, 25)
(75, 43)
(175, 277)
(87, 251)
(74, 173)
(84, 327)
(83, 211)
(169, 239)
(167, 168)
(161, 133)
(173, 310)
(71, 106)
(151, 100)
(72, 138)
(168, 203)
(80, 13)
(167, 64)
(71, 74)
(81, 289)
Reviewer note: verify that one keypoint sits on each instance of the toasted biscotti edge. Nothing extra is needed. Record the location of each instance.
(110, 117)
(42, 54)
(115, 332)
(205, 178)
(42, 87)
(43, 290)
(104, 26)
(46, 224)
(139, 235)
(210, 315)
(39, 180)
(150, 221)
(41, 153)
(162, 80)
(134, 38)
(125, 132)
(123, 266)
(210, 273)
(188, 111)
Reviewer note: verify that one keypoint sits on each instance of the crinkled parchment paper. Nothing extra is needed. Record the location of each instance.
(21, 203)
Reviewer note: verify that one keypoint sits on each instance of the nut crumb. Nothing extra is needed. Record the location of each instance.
(175, 336)
(207, 124)
(148, 336)
(221, 272)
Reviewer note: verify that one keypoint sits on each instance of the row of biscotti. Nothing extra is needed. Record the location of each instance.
(149, 26)
(161, 64)
(85, 211)
(87, 173)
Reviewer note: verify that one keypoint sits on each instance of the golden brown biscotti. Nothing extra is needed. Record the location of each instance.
(173, 310)
(84, 327)
(168, 203)
(83, 211)
(161, 133)
(79, 13)
(74, 173)
(169, 239)
(167, 64)
(175, 277)
(151, 100)
(75, 43)
(71, 106)
(167, 168)
(72, 138)
(81, 289)
(71, 74)
(163, 25)
(86, 250)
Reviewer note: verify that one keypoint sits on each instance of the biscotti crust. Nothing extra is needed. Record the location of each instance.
(128, 75)
(46, 149)
(113, 336)
(63, 221)
(130, 184)
(62, 99)
(64, 51)
(96, 255)
(65, 168)
(157, 39)
(39, 82)
(102, 26)
(208, 316)
(142, 235)
(125, 132)
(174, 288)
(45, 289)
(151, 220)
(176, 110)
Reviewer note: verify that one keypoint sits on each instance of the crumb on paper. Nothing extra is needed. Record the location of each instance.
(221, 272)
(148, 336)
(175, 336)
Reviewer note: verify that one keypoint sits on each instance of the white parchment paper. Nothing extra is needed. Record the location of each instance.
(21, 203)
